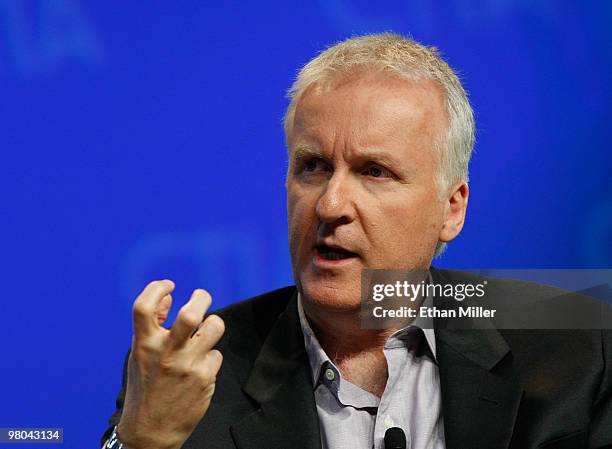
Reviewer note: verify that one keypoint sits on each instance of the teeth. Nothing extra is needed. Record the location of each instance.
(332, 255)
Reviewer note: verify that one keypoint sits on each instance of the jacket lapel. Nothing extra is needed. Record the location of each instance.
(281, 384)
(481, 386)
(480, 390)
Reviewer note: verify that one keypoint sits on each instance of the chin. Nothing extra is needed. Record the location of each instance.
(332, 294)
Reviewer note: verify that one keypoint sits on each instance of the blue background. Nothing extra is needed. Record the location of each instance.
(144, 140)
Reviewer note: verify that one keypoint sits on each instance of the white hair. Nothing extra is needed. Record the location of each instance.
(406, 58)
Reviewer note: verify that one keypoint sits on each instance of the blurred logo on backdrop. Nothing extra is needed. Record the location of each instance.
(43, 36)
(232, 264)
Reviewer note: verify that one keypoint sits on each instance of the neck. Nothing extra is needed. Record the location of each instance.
(340, 332)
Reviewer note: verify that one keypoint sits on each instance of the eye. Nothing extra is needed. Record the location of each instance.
(313, 166)
(310, 165)
(376, 171)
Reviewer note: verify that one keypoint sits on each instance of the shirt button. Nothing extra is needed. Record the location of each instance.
(389, 422)
(329, 374)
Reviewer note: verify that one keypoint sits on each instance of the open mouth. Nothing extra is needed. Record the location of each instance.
(329, 253)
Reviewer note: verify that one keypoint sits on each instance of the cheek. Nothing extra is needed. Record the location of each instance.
(300, 218)
(295, 210)
(406, 228)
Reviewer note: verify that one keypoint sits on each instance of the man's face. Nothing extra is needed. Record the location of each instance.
(361, 183)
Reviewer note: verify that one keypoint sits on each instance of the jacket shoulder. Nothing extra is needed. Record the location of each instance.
(257, 313)
(524, 297)
(248, 323)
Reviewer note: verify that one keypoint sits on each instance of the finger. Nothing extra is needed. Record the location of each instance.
(209, 333)
(145, 306)
(216, 360)
(208, 366)
(162, 309)
(189, 318)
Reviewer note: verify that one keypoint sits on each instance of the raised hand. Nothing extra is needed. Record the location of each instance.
(171, 373)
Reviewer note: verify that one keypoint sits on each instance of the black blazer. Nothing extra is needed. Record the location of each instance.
(500, 389)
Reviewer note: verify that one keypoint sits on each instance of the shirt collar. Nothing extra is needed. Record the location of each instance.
(425, 324)
(400, 338)
(316, 354)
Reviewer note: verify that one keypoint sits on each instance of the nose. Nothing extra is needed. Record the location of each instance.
(336, 203)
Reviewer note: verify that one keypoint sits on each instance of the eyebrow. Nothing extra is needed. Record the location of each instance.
(303, 151)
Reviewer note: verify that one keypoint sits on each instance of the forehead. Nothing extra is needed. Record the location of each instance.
(371, 106)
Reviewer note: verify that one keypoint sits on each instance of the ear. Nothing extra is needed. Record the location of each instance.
(455, 209)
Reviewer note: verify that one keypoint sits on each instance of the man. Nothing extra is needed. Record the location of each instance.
(379, 134)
